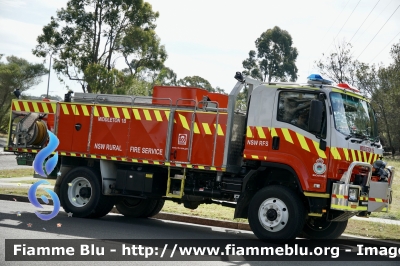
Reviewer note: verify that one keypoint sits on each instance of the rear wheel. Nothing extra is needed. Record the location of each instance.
(156, 209)
(318, 228)
(276, 213)
(138, 208)
(80, 194)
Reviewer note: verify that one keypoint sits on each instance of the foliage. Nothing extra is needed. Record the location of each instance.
(339, 66)
(17, 73)
(196, 81)
(275, 58)
(95, 33)
(381, 84)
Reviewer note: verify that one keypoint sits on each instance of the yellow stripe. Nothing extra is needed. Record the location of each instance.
(93, 156)
(85, 110)
(317, 195)
(320, 152)
(302, 141)
(286, 134)
(346, 154)
(196, 128)
(359, 156)
(260, 132)
(213, 168)
(134, 160)
(201, 167)
(249, 134)
(103, 157)
(158, 115)
(26, 107)
(126, 113)
(220, 132)
(65, 109)
(105, 111)
(167, 164)
(63, 153)
(254, 156)
(273, 132)
(370, 158)
(35, 107)
(115, 112)
(45, 109)
(189, 166)
(339, 196)
(96, 112)
(73, 154)
(359, 208)
(206, 128)
(335, 153)
(136, 114)
(114, 158)
(353, 154)
(315, 214)
(378, 200)
(124, 159)
(75, 109)
(54, 107)
(184, 122)
(145, 161)
(375, 157)
(147, 115)
(167, 114)
(16, 106)
(365, 156)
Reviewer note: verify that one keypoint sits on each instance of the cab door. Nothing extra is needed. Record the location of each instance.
(293, 144)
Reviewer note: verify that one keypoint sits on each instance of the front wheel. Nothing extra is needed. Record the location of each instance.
(318, 228)
(81, 195)
(276, 213)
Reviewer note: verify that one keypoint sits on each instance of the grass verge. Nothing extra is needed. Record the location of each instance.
(16, 172)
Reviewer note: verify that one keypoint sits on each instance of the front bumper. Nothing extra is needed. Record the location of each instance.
(372, 197)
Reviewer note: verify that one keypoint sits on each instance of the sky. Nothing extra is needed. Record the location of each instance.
(211, 38)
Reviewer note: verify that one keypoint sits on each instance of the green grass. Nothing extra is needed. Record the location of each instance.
(17, 172)
(51, 181)
(20, 191)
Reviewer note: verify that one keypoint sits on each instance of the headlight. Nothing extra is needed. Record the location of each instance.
(353, 194)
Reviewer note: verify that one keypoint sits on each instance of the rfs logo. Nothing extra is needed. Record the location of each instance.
(182, 138)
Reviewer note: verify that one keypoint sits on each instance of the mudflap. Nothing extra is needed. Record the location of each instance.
(378, 198)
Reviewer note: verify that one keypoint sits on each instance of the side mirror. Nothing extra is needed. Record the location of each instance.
(315, 118)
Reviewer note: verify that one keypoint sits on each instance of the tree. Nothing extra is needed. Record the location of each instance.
(98, 32)
(196, 81)
(17, 73)
(339, 66)
(275, 58)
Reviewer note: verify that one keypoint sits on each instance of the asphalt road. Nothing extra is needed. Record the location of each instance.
(7, 160)
(14, 226)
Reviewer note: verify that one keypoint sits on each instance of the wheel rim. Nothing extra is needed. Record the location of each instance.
(273, 214)
(79, 192)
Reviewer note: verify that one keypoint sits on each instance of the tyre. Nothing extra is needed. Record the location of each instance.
(136, 208)
(81, 194)
(156, 209)
(276, 213)
(323, 229)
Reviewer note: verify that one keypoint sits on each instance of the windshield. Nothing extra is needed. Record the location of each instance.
(353, 116)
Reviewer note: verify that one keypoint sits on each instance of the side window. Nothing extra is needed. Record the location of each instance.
(294, 108)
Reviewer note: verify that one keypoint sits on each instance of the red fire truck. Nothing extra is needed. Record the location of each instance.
(299, 161)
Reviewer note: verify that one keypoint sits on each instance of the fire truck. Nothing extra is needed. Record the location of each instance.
(298, 161)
